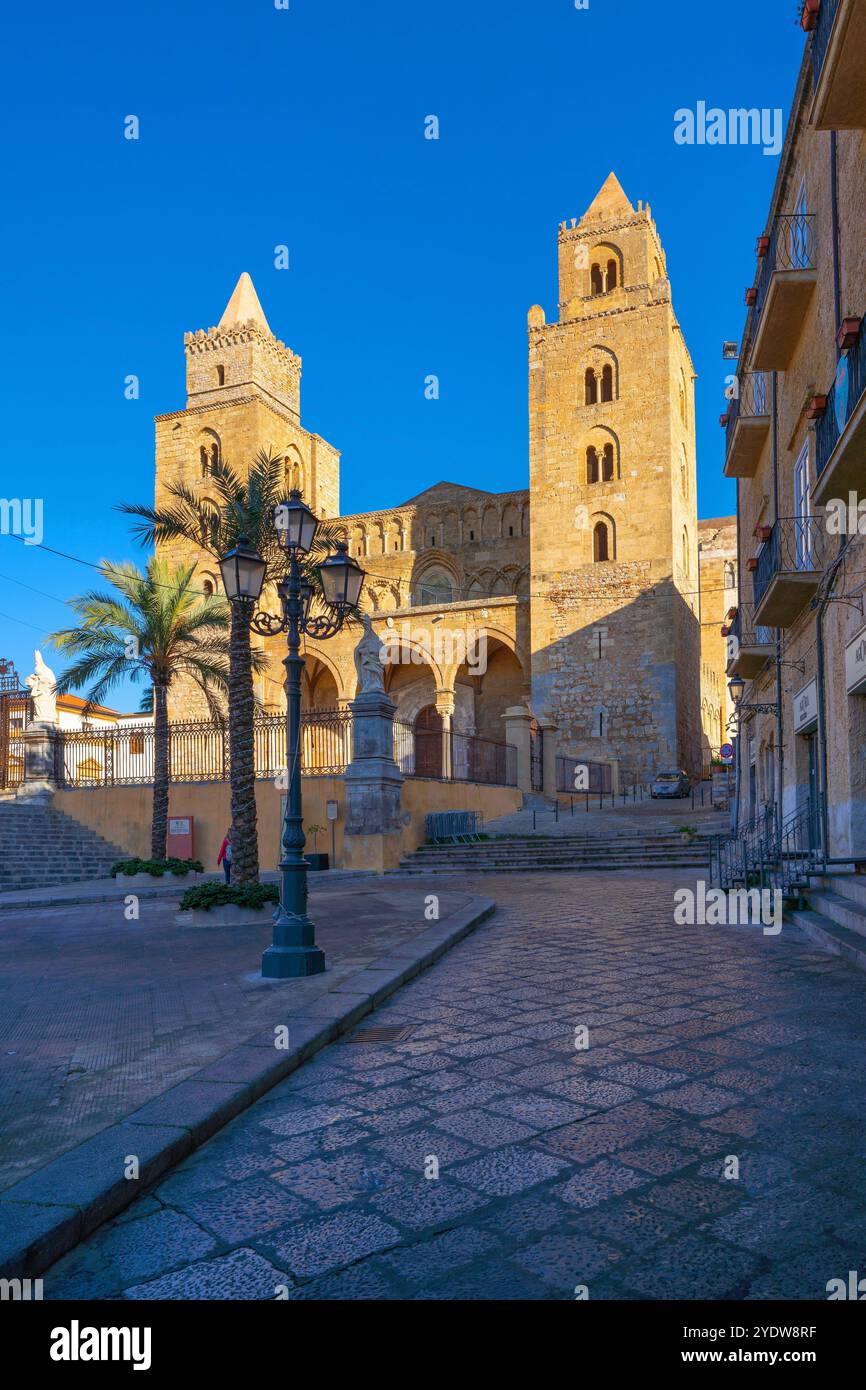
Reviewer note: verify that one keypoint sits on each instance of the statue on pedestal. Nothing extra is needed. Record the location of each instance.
(368, 660)
(42, 683)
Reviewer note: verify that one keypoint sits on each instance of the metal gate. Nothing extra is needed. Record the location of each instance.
(536, 750)
(14, 718)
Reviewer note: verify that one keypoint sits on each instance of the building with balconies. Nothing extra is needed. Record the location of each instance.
(796, 444)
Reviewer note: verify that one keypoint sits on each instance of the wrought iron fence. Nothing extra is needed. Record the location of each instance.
(198, 750)
(792, 247)
(845, 395)
(570, 777)
(821, 35)
(536, 760)
(765, 854)
(15, 712)
(797, 544)
(448, 755)
(746, 631)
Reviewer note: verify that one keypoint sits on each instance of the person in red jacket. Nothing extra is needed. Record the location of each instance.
(225, 855)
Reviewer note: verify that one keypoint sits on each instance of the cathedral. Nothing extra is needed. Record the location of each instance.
(577, 598)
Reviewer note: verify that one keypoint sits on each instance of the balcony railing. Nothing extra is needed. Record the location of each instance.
(838, 62)
(785, 286)
(821, 36)
(748, 425)
(750, 644)
(843, 403)
(789, 569)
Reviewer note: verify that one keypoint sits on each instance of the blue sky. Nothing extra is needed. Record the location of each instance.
(304, 127)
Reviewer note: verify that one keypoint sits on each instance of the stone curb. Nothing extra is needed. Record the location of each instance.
(46, 1214)
(333, 876)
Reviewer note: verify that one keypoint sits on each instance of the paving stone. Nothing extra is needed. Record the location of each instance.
(504, 1172)
(312, 1247)
(430, 1259)
(240, 1275)
(425, 1204)
(566, 1261)
(692, 1268)
(599, 1182)
(484, 1129)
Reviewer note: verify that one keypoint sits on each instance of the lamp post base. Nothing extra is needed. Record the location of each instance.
(292, 962)
(294, 951)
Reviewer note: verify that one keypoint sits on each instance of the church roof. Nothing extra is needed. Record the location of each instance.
(609, 201)
(431, 494)
(244, 305)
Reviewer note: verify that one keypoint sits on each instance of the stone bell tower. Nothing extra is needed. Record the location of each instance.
(243, 394)
(614, 556)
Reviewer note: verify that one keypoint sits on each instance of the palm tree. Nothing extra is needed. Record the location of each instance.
(156, 627)
(246, 508)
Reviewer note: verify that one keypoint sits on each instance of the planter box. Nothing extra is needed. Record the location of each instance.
(317, 861)
(849, 332)
(763, 245)
(145, 880)
(751, 297)
(816, 408)
(809, 17)
(229, 915)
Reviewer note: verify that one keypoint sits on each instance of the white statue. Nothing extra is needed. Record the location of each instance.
(368, 659)
(42, 684)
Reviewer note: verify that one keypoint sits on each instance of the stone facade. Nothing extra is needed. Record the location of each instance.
(814, 751)
(480, 611)
(717, 543)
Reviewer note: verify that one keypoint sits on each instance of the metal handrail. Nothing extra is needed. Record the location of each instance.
(844, 397)
(791, 247)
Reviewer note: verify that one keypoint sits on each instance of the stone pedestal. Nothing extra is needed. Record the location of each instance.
(372, 835)
(518, 731)
(549, 749)
(40, 781)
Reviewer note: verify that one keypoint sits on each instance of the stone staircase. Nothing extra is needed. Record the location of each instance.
(41, 848)
(622, 849)
(835, 917)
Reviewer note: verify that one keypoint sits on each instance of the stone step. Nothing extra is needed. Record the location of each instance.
(421, 870)
(41, 847)
(838, 940)
(839, 909)
(850, 885)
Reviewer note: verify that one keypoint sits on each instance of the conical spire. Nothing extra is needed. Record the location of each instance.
(610, 200)
(243, 305)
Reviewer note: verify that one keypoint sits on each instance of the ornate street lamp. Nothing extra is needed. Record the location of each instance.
(294, 951)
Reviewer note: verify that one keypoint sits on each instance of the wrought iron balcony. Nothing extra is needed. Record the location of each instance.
(840, 432)
(789, 570)
(749, 645)
(748, 425)
(838, 64)
(785, 286)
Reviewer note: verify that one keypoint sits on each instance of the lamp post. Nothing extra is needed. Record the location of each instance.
(294, 951)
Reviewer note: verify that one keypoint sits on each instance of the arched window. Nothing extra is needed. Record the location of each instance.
(607, 382)
(210, 452)
(591, 465)
(597, 279)
(221, 376)
(208, 588)
(730, 576)
(600, 542)
(210, 524)
(612, 269)
(591, 381)
(607, 464)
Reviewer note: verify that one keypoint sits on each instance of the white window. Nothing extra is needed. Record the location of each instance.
(802, 511)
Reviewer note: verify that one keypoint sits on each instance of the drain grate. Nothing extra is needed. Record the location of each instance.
(394, 1033)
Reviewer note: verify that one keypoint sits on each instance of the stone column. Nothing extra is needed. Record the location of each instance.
(445, 709)
(372, 834)
(40, 782)
(549, 750)
(518, 724)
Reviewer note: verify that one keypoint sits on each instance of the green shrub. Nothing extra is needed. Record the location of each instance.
(157, 867)
(204, 896)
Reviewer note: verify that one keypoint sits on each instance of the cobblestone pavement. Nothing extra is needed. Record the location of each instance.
(558, 1167)
(99, 1014)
